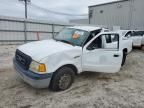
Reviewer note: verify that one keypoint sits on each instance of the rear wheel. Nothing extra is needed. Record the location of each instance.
(124, 57)
(62, 79)
(141, 47)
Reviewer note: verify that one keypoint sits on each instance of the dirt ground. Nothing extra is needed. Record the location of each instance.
(90, 90)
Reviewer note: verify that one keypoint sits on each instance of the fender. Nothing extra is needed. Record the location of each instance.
(58, 60)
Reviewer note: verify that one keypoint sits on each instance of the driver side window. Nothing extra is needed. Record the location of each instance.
(96, 44)
(105, 41)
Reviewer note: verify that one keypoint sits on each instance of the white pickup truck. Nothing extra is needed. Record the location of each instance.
(54, 63)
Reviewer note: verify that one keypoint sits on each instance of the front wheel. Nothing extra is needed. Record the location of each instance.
(62, 79)
(124, 58)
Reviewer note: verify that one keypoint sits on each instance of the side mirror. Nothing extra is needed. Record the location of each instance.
(90, 48)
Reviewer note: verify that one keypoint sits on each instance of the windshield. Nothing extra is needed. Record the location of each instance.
(72, 36)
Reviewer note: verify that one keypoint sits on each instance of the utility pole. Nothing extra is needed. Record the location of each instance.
(25, 27)
(26, 3)
(131, 6)
(25, 9)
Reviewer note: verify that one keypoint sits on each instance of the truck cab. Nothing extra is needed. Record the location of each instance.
(54, 63)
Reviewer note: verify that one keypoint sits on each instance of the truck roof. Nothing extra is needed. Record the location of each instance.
(86, 28)
(110, 32)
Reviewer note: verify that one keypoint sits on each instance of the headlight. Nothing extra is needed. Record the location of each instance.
(37, 67)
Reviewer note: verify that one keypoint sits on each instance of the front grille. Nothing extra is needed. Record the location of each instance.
(23, 59)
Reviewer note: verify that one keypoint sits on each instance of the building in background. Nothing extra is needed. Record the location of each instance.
(128, 14)
(80, 21)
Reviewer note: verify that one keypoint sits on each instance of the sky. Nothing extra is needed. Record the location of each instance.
(37, 9)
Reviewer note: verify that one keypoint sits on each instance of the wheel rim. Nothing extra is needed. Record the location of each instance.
(64, 81)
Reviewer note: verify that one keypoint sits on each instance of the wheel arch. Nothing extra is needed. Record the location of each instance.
(52, 84)
(73, 67)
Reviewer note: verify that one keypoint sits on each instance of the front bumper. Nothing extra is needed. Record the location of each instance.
(34, 79)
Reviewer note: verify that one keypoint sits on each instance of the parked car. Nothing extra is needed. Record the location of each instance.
(138, 38)
(54, 63)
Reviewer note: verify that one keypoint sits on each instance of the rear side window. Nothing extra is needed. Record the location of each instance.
(96, 44)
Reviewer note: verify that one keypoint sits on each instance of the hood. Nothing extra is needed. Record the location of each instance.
(41, 49)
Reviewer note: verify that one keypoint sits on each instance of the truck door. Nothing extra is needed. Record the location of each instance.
(97, 57)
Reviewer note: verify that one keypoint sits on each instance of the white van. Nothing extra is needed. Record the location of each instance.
(54, 63)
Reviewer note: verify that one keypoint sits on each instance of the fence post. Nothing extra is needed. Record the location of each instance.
(53, 30)
(25, 31)
(38, 38)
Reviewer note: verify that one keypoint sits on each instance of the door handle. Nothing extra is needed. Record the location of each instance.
(116, 55)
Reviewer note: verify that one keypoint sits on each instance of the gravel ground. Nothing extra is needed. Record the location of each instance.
(124, 89)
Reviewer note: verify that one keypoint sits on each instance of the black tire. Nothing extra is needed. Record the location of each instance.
(62, 79)
(124, 58)
(141, 47)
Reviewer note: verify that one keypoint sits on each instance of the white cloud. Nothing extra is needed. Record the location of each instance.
(16, 8)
